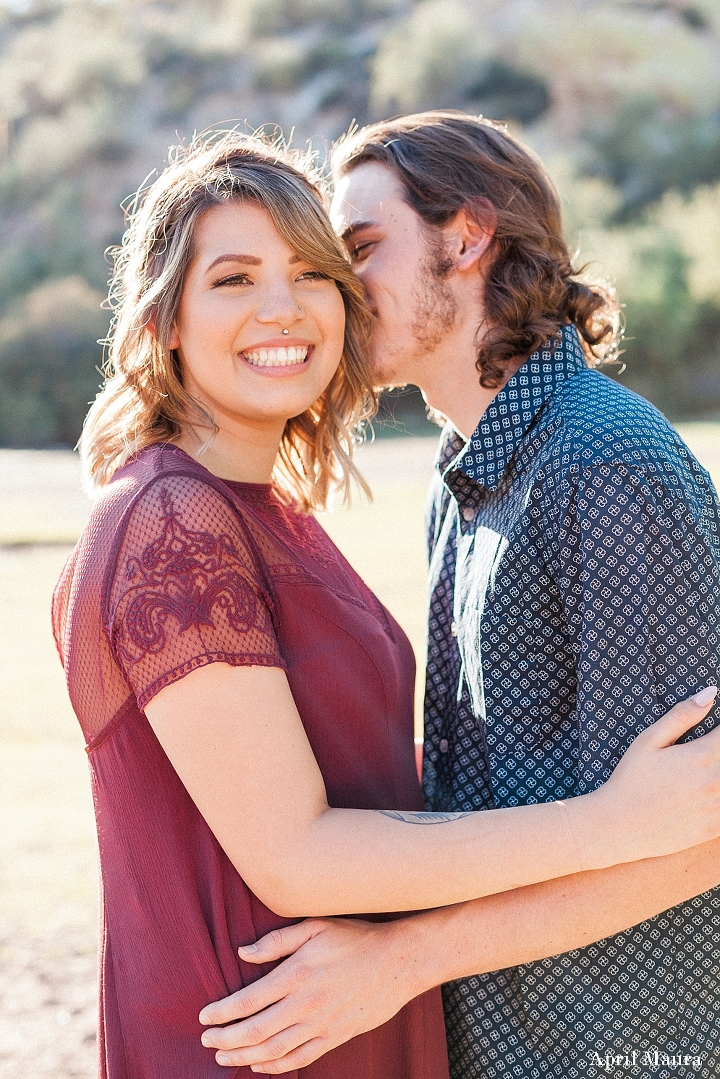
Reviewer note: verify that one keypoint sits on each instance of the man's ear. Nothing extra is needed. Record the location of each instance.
(472, 232)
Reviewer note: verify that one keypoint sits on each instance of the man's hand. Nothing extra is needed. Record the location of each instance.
(347, 976)
(343, 977)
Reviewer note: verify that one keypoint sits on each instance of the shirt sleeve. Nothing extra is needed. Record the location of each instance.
(639, 578)
(187, 589)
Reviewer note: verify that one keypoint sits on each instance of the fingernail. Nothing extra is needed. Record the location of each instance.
(248, 948)
(223, 1058)
(705, 695)
(204, 1019)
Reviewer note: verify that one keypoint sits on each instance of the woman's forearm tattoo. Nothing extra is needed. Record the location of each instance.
(422, 818)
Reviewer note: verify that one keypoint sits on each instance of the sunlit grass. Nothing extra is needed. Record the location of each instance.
(47, 846)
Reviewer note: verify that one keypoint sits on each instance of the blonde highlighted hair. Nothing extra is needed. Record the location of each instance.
(143, 400)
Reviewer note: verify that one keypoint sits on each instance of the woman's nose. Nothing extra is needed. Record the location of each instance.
(279, 306)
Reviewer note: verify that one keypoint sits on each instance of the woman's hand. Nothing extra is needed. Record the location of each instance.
(662, 797)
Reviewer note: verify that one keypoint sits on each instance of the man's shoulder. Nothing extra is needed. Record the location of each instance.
(600, 422)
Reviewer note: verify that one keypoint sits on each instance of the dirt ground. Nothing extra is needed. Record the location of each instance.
(48, 1003)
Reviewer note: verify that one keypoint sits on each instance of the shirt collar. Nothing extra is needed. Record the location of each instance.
(487, 454)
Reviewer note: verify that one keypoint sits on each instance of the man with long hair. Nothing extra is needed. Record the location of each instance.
(574, 597)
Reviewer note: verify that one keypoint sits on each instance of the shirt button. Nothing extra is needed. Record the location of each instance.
(444, 745)
(468, 513)
(454, 629)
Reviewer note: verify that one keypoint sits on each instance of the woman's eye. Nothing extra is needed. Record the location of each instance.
(313, 275)
(232, 279)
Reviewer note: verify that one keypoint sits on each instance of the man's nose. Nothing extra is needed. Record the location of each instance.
(366, 282)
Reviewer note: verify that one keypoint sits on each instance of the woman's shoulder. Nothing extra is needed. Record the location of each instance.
(157, 476)
(162, 503)
(153, 463)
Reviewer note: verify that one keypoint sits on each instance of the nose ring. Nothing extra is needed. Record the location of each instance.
(288, 331)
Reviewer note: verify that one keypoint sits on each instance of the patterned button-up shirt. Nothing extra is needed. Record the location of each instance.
(574, 597)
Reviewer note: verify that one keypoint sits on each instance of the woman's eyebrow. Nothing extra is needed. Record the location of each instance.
(249, 260)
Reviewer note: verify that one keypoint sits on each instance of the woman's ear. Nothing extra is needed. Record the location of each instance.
(173, 339)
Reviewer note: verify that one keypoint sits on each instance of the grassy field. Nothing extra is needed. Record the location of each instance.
(47, 845)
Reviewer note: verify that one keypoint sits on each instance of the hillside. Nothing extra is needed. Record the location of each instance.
(622, 99)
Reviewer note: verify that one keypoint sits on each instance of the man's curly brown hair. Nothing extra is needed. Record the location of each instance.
(449, 161)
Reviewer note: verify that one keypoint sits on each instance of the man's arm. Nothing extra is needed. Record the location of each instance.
(349, 976)
(638, 572)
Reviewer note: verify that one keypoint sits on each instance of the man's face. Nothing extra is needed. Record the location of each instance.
(403, 267)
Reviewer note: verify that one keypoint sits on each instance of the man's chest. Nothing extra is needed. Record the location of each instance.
(509, 651)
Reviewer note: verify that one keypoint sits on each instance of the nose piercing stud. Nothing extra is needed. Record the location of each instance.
(286, 331)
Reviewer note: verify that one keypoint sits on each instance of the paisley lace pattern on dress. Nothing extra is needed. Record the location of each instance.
(187, 597)
(185, 574)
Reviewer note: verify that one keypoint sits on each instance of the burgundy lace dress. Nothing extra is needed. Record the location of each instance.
(177, 569)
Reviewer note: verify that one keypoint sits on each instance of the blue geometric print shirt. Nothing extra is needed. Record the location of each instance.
(574, 597)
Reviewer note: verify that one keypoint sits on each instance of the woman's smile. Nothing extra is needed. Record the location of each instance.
(288, 357)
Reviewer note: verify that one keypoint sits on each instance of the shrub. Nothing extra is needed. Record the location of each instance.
(48, 363)
(645, 152)
(666, 267)
(439, 57)
(284, 63)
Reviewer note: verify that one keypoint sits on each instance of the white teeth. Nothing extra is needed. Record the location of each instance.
(277, 357)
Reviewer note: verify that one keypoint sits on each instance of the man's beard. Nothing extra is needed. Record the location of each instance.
(435, 306)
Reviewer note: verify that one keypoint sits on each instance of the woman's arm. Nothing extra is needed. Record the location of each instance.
(346, 976)
(236, 740)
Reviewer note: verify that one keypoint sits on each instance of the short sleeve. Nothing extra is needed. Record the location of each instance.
(641, 595)
(187, 588)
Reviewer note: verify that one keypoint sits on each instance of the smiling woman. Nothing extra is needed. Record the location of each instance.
(238, 343)
(246, 701)
(253, 241)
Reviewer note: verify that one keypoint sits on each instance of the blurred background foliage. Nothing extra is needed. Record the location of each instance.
(621, 98)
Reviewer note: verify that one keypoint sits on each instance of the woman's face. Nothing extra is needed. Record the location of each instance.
(243, 288)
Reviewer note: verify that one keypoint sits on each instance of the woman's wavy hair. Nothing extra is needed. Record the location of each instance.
(449, 161)
(143, 400)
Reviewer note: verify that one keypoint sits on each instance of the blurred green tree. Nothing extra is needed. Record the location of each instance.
(645, 152)
(49, 360)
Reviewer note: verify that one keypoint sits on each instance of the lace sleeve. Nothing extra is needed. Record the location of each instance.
(186, 589)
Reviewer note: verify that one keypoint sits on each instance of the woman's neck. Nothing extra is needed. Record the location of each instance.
(247, 456)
